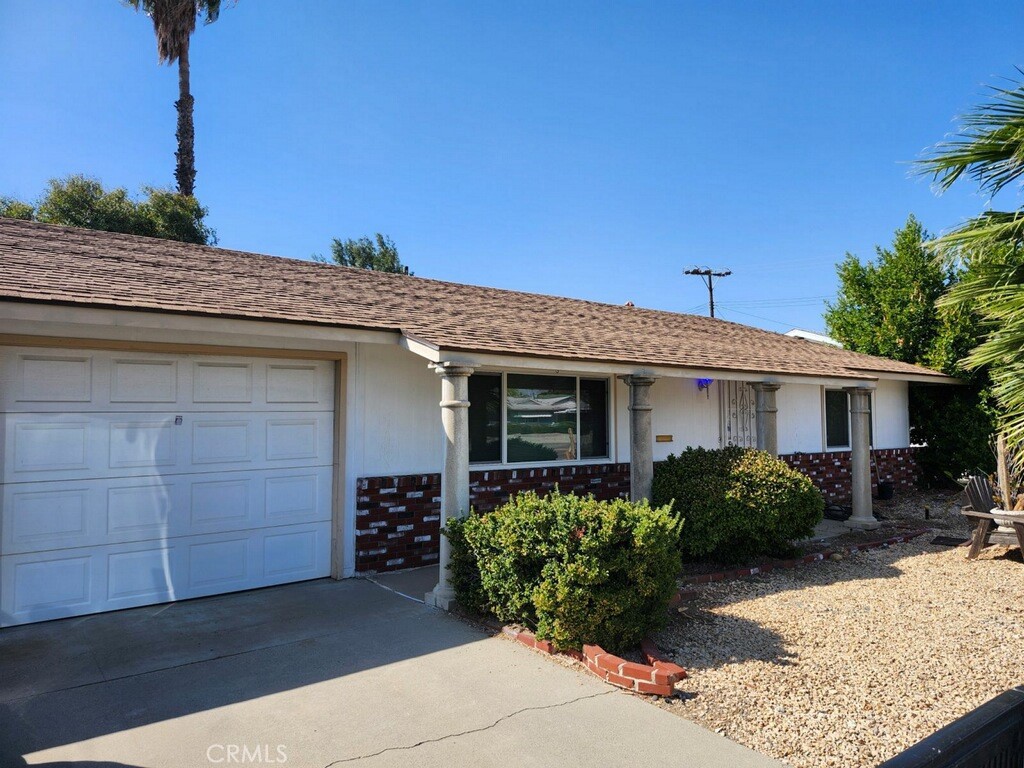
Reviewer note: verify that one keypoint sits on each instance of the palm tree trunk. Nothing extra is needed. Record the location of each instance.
(185, 170)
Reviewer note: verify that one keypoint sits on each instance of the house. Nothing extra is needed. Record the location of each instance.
(182, 421)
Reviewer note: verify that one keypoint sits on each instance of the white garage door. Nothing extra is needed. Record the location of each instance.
(133, 478)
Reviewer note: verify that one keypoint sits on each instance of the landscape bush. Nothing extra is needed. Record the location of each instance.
(573, 569)
(738, 503)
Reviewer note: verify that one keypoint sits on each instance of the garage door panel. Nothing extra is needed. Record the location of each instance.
(222, 382)
(143, 381)
(131, 478)
(291, 554)
(51, 585)
(142, 442)
(42, 446)
(48, 380)
(39, 517)
(141, 576)
(38, 444)
(55, 378)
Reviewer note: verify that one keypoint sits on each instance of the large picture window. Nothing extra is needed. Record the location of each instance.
(837, 420)
(539, 419)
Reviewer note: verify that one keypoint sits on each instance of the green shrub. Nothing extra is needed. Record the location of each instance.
(573, 569)
(738, 503)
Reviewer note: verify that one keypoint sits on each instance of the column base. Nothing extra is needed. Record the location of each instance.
(440, 597)
(862, 524)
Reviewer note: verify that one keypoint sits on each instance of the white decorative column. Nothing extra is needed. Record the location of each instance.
(860, 459)
(641, 439)
(455, 474)
(766, 416)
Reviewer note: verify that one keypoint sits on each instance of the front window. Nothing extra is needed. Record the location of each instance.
(544, 418)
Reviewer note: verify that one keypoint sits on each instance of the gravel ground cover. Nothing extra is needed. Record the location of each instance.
(849, 662)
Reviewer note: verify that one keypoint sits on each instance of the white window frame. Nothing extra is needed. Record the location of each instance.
(504, 463)
(826, 448)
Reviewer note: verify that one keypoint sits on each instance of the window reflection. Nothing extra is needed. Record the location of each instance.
(541, 418)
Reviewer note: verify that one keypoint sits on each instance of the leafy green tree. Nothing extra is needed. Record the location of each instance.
(380, 254)
(79, 201)
(989, 150)
(888, 307)
(15, 209)
(174, 21)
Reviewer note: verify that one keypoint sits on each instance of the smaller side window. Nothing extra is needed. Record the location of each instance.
(837, 419)
(484, 417)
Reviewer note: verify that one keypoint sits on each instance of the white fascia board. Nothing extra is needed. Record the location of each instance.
(916, 377)
(72, 322)
(427, 351)
(487, 361)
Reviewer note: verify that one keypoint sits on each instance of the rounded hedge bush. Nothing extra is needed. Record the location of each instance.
(738, 503)
(573, 569)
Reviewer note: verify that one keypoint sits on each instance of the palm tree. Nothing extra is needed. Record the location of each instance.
(989, 149)
(174, 21)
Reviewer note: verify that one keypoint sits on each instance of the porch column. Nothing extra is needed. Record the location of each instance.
(641, 441)
(455, 475)
(767, 416)
(860, 459)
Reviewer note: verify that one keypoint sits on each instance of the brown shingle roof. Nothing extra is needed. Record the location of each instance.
(45, 263)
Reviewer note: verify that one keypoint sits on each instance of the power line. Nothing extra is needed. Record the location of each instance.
(796, 301)
(729, 308)
(708, 275)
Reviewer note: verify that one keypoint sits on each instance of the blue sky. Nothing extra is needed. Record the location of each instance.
(586, 149)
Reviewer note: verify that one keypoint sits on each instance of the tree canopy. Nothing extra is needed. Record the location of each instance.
(380, 254)
(80, 201)
(989, 150)
(889, 307)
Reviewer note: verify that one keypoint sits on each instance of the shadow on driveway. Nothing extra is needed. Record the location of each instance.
(326, 674)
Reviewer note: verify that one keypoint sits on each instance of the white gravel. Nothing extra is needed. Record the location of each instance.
(849, 662)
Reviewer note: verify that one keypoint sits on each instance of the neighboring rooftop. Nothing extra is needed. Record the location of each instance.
(820, 338)
(70, 266)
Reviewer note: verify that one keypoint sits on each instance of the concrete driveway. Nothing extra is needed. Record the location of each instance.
(318, 674)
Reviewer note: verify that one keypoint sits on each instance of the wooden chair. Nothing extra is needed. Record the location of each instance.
(991, 525)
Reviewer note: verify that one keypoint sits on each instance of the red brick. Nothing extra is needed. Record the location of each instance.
(636, 671)
(624, 682)
(653, 688)
(610, 662)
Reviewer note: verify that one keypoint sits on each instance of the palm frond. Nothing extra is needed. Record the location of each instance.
(989, 147)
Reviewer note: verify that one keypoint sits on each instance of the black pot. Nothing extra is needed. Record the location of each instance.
(886, 490)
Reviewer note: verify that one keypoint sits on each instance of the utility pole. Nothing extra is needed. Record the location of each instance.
(709, 276)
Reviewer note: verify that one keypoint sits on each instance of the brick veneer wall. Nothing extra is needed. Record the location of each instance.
(831, 471)
(398, 518)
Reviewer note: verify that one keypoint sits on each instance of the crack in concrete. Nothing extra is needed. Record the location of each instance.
(447, 736)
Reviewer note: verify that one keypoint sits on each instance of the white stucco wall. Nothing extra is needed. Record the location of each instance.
(396, 408)
(892, 418)
(799, 418)
(396, 424)
(686, 413)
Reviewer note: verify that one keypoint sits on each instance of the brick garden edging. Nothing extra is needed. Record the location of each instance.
(655, 678)
(775, 565)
